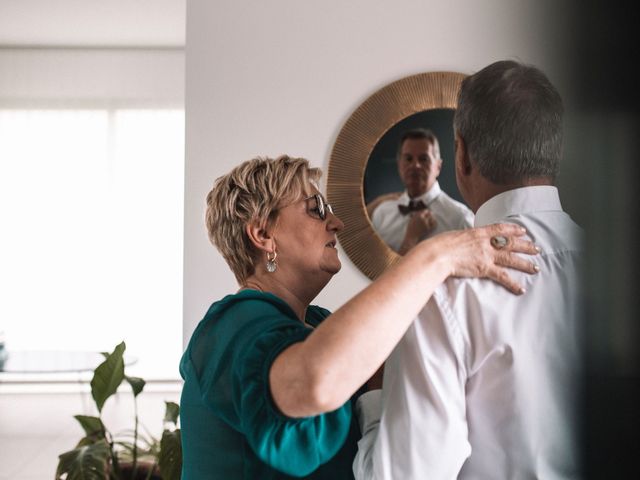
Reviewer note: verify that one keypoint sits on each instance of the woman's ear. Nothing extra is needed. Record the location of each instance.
(260, 237)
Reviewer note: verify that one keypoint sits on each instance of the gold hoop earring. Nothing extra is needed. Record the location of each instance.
(271, 262)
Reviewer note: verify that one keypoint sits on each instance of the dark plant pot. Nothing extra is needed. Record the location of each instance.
(142, 472)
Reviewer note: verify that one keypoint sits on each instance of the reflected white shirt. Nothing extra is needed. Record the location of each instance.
(450, 214)
(484, 383)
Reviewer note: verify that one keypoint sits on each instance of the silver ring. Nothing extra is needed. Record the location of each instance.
(499, 242)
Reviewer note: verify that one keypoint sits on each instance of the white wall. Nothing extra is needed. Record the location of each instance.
(94, 23)
(37, 75)
(265, 78)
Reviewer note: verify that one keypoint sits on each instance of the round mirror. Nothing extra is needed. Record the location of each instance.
(363, 165)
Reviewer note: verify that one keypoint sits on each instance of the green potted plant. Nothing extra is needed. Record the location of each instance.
(130, 455)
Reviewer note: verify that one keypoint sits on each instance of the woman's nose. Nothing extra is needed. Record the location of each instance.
(334, 224)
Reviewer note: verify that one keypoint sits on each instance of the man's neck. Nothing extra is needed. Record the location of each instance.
(416, 194)
(413, 195)
(485, 189)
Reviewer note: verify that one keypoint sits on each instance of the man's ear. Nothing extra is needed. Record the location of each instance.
(398, 168)
(438, 166)
(260, 237)
(463, 164)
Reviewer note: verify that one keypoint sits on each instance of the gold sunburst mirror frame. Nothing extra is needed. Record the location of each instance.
(353, 147)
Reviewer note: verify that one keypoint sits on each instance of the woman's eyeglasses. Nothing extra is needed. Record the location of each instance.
(317, 207)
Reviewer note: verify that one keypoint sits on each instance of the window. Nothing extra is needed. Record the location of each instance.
(91, 207)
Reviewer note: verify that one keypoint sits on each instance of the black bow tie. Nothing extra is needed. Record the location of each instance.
(414, 206)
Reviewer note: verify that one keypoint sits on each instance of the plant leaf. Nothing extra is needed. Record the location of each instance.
(172, 412)
(170, 458)
(84, 441)
(92, 426)
(108, 376)
(85, 463)
(137, 384)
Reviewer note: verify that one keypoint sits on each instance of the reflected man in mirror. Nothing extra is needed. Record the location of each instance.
(423, 210)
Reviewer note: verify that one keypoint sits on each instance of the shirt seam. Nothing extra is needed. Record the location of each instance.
(457, 339)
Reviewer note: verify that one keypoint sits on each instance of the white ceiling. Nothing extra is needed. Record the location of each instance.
(92, 23)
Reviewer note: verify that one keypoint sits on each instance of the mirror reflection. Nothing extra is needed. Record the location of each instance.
(409, 182)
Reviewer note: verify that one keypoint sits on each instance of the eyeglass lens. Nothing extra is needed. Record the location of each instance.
(320, 207)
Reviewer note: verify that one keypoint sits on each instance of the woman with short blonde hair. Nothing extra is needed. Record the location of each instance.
(252, 192)
(269, 378)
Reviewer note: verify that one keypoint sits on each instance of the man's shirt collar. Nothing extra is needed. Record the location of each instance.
(427, 197)
(518, 201)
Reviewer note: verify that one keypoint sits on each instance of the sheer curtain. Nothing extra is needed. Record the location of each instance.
(91, 214)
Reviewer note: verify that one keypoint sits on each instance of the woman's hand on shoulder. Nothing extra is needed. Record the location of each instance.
(487, 252)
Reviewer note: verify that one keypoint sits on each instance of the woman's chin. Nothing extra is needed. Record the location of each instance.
(331, 267)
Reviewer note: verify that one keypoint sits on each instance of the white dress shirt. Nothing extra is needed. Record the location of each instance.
(484, 383)
(449, 214)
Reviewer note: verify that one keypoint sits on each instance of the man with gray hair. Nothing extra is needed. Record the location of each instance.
(483, 384)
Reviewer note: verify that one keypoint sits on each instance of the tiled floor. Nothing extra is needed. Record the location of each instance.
(35, 428)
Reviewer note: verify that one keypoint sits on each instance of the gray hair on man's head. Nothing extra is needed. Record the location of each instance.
(419, 134)
(510, 117)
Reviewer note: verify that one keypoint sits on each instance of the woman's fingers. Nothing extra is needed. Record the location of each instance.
(506, 241)
(505, 229)
(500, 275)
(491, 251)
(506, 236)
(516, 262)
(522, 245)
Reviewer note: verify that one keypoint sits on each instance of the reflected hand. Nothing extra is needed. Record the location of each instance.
(420, 225)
